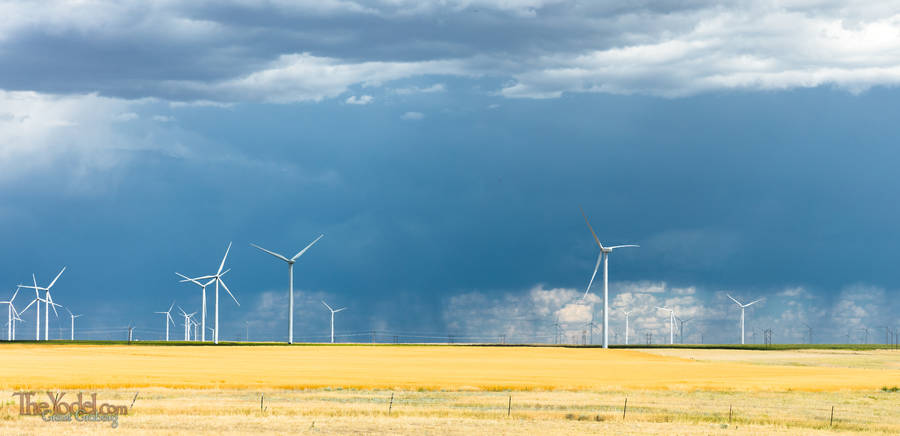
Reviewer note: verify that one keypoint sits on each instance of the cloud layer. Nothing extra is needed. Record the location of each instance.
(234, 51)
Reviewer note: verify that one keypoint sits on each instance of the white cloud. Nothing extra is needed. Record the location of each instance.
(304, 77)
(752, 47)
(361, 100)
(125, 116)
(437, 87)
(412, 116)
(163, 118)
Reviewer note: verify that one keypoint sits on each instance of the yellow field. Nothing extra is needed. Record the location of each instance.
(35, 366)
(457, 390)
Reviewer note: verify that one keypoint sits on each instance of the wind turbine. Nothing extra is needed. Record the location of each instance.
(290, 263)
(168, 319)
(72, 316)
(203, 300)
(681, 323)
(48, 301)
(218, 280)
(333, 311)
(11, 315)
(592, 326)
(743, 306)
(671, 323)
(604, 256)
(187, 323)
(810, 331)
(626, 325)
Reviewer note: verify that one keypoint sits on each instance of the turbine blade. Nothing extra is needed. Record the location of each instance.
(326, 305)
(736, 302)
(56, 278)
(186, 278)
(343, 308)
(222, 265)
(272, 253)
(599, 258)
(757, 301)
(170, 307)
(623, 246)
(307, 248)
(52, 304)
(592, 229)
(229, 292)
(14, 295)
(29, 305)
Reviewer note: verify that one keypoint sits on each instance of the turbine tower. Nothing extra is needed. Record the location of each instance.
(72, 316)
(604, 256)
(202, 299)
(218, 280)
(743, 306)
(168, 319)
(671, 323)
(626, 325)
(333, 311)
(290, 263)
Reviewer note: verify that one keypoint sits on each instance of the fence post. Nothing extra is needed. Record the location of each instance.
(831, 421)
(509, 406)
(729, 414)
(391, 405)
(625, 409)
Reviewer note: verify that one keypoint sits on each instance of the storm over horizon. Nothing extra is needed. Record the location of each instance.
(444, 149)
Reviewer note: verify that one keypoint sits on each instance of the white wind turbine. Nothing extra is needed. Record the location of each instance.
(626, 324)
(333, 311)
(604, 256)
(218, 280)
(203, 299)
(48, 303)
(187, 323)
(168, 319)
(72, 316)
(290, 263)
(11, 316)
(671, 323)
(743, 306)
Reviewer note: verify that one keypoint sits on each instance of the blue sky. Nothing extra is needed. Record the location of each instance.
(444, 149)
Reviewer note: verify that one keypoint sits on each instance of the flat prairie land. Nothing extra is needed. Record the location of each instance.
(464, 390)
(67, 366)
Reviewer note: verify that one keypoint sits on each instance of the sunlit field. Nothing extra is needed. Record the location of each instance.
(460, 389)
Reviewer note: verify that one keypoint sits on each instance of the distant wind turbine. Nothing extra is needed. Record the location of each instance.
(333, 311)
(290, 263)
(218, 280)
(743, 306)
(187, 323)
(671, 323)
(168, 319)
(11, 316)
(626, 325)
(604, 256)
(72, 316)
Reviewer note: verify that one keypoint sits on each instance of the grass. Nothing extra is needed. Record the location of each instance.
(319, 411)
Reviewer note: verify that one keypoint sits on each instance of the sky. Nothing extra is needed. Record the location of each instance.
(445, 149)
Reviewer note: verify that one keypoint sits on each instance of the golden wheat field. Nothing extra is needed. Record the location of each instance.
(458, 390)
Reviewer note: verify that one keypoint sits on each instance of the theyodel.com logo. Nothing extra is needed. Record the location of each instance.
(78, 408)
